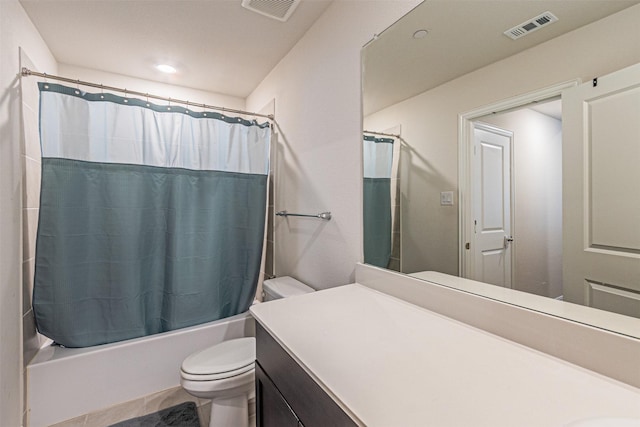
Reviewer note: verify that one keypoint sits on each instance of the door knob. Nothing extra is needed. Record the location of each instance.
(507, 240)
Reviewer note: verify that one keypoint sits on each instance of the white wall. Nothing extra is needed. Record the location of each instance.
(537, 179)
(430, 125)
(147, 86)
(316, 88)
(16, 30)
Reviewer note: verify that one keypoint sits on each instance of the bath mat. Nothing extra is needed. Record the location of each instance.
(183, 415)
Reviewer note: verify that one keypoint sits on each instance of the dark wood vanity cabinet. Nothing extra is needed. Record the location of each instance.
(286, 395)
(272, 410)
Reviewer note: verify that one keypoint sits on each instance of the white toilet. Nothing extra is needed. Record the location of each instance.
(283, 287)
(224, 372)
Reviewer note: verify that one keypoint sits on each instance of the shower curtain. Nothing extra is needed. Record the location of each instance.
(377, 159)
(151, 217)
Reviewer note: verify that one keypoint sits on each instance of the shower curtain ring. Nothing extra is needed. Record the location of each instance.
(187, 110)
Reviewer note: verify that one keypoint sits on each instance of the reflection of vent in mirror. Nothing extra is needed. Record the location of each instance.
(531, 25)
(276, 9)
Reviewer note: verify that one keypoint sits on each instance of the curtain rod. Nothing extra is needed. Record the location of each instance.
(381, 133)
(27, 72)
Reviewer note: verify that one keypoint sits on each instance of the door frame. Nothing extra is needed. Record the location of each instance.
(465, 161)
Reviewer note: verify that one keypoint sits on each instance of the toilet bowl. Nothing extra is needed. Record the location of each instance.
(225, 372)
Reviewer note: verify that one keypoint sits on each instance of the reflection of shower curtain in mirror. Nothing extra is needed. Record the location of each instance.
(151, 217)
(377, 162)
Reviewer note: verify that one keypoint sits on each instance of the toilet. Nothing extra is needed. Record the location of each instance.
(225, 372)
(283, 287)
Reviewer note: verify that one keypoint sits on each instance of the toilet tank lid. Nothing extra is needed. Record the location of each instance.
(227, 356)
(286, 286)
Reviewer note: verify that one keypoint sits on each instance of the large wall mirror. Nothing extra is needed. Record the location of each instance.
(501, 143)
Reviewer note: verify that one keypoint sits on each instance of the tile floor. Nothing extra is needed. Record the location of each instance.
(142, 406)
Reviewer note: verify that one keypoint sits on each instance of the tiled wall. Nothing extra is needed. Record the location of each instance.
(395, 262)
(31, 159)
(269, 270)
(268, 267)
(395, 259)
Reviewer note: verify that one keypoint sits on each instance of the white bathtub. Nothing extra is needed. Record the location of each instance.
(64, 383)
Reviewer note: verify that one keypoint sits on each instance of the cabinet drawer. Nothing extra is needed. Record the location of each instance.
(312, 406)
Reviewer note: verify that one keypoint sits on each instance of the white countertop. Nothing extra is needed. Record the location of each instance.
(390, 363)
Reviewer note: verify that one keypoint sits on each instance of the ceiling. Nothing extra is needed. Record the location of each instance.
(219, 46)
(216, 45)
(463, 35)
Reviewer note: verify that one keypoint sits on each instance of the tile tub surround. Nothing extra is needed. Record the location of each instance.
(389, 362)
(67, 383)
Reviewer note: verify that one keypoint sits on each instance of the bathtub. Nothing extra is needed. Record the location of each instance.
(64, 383)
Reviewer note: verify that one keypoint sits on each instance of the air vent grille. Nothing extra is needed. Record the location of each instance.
(276, 9)
(531, 25)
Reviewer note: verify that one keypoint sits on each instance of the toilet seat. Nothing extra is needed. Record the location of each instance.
(216, 376)
(225, 360)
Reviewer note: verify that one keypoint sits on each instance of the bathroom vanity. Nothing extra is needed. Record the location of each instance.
(355, 356)
(287, 393)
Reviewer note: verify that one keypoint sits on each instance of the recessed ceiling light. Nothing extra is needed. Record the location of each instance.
(420, 34)
(166, 68)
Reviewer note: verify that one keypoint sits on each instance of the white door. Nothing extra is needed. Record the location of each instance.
(601, 192)
(492, 205)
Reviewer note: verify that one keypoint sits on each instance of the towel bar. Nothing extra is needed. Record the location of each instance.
(321, 215)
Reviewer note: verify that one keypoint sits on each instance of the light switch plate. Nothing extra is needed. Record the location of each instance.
(446, 198)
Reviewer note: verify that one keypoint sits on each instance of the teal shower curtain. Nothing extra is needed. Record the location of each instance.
(378, 157)
(151, 217)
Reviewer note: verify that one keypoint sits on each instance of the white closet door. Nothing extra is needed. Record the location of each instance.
(492, 205)
(601, 192)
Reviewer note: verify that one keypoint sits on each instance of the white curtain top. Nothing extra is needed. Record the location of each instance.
(377, 157)
(73, 127)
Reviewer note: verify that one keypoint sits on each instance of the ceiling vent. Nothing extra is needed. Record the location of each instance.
(531, 25)
(276, 9)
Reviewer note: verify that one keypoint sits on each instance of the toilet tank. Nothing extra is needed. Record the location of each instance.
(283, 287)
